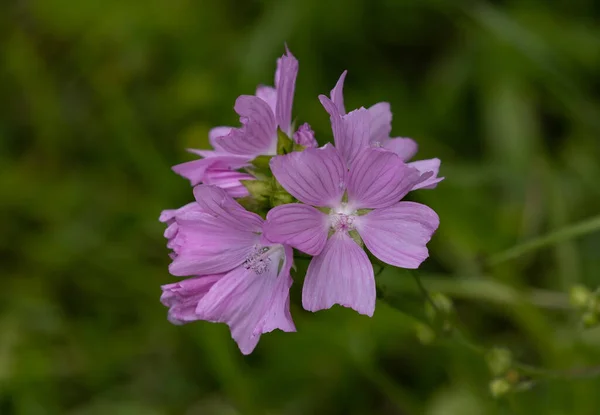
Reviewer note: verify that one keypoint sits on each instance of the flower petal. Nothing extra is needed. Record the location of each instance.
(182, 297)
(315, 176)
(298, 225)
(217, 132)
(381, 122)
(226, 212)
(378, 179)
(356, 134)
(337, 94)
(340, 274)
(246, 301)
(424, 166)
(269, 95)
(230, 180)
(337, 124)
(287, 70)
(278, 316)
(398, 234)
(305, 136)
(258, 134)
(406, 148)
(195, 170)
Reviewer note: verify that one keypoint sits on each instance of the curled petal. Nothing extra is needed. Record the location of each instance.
(398, 234)
(315, 176)
(425, 166)
(405, 148)
(298, 225)
(217, 132)
(340, 274)
(182, 297)
(337, 94)
(269, 95)
(287, 70)
(305, 136)
(258, 134)
(378, 179)
(337, 124)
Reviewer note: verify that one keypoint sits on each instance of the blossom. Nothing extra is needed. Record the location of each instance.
(364, 128)
(261, 115)
(239, 277)
(360, 204)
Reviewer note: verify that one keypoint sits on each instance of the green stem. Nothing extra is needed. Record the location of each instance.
(560, 235)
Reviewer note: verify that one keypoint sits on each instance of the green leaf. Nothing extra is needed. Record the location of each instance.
(285, 144)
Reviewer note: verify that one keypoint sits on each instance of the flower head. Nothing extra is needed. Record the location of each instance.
(240, 278)
(363, 201)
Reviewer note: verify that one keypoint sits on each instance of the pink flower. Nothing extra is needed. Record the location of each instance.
(364, 128)
(241, 279)
(260, 115)
(363, 201)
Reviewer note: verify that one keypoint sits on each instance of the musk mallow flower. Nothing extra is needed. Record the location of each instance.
(261, 115)
(375, 126)
(238, 276)
(340, 207)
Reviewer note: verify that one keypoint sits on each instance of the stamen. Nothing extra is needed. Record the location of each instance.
(258, 261)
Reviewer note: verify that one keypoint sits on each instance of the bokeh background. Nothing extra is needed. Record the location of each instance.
(99, 99)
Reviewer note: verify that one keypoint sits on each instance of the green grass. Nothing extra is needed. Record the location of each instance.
(99, 99)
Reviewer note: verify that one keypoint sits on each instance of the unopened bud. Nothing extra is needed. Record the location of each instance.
(442, 303)
(499, 361)
(580, 296)
(424, 333)
(499, 387)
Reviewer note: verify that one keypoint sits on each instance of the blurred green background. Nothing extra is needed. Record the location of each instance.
(99, 99)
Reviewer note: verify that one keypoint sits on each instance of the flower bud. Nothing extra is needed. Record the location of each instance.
(580, 296)
(499, 387)
(499, 361)
(424, 333)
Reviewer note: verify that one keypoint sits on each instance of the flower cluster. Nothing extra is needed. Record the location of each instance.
(328, 202)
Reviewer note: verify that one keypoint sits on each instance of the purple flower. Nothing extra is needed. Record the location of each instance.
(360, 203)
(305, 136)
(363, 128)
(260, 115)
(241, 278)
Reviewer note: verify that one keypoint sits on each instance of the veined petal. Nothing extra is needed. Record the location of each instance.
(378, 179)
(258, 134)
(230, 180)
(406, 148)
(182, 297)
(337, 124)
(217, 132)
(356, 134)
(398, 234)
(278, 316)
(381, 122)
(424, 166)
(287, 69)
(340, 274)
(250, 302)
(226, 212)
(315, 176)
(301, 226)
(267, 94)
(337, 94)
(195, 170)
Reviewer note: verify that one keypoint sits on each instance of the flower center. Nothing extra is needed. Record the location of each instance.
(342, 218)
(376, 144)
(261, 258)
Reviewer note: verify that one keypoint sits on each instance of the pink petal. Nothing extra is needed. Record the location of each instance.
(301, 226)
(217, 132)
(398, 234)
(195, 170)
(315, 176)
(182, 297)
(269, 95)
(287, 68)
(250, 303)
(337, 94)
(230, 180)
(381, 122)
(356, 134)
(378, 179)
(258, 134)
(340, 274)
(337, 124)
(406, 148)
(424, 166)
(225, 211)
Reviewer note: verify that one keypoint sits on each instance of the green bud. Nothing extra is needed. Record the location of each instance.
(499, 361)
(443, 304)
(580, 296)
(589, 319)
(499, 387)
(424, 333)
(285, 144)
(259, 190)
